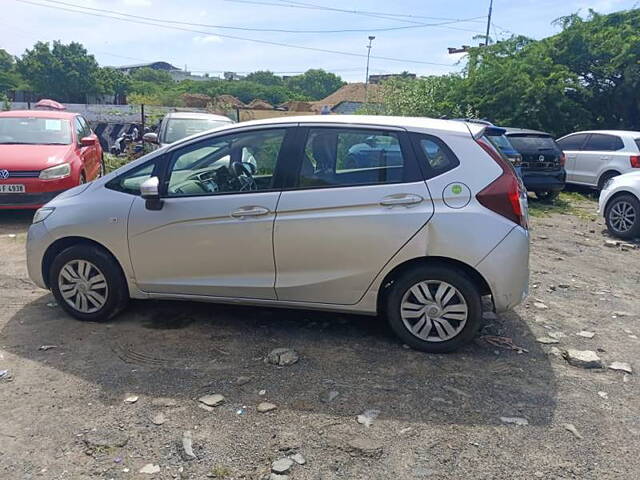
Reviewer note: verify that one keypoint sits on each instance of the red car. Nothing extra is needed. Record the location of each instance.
(43, 153)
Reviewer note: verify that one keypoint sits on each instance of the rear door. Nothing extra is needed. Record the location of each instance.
(596, 155)
(571, 145)
(356, 197)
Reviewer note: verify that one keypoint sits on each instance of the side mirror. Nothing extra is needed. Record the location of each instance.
(88, 141)
(150, 191)
(151, 137)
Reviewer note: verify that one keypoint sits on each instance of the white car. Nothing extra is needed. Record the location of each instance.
(593, 157)
(418, 235)
(178, 125)
(620, 205)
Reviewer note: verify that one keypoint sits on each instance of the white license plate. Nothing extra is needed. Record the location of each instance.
(11, 188)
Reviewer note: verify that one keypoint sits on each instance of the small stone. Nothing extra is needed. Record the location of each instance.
(540, 306)
(282, 466)
(564, 286)
(298, 458)
(158, 419)
(555, 351)
(265, 407)
(521, 422)
(571, 428)
(547, 340)
(275, 476)
(557, 335)
(164, 402)
(44, 348)
(586, 334)
(262, 393)
(187, 445)
(622, 314)
(282, 357)
(367, 417)
(611, 243)
(150, 469)
(604, 395)
(211, 400)
(364, 447)
(582, 358)
(242, 381)
(206, 408)
(106, 439)
(621, 367)
(329, 396)
(131, 399)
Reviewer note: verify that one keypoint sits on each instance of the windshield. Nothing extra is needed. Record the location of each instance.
(34, 131)
(535, 143)
(179, 128)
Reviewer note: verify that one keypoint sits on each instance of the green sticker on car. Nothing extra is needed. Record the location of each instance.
(456, 189)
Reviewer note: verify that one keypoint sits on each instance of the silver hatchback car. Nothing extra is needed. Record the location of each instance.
(289, 212)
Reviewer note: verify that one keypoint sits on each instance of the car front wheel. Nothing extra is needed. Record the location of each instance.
(435, 309)
(623, 216)
(88, 283)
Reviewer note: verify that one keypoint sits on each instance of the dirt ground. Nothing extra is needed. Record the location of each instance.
(64, 414)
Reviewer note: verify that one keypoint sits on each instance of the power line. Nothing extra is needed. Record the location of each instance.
(444, 24)
(234, 37)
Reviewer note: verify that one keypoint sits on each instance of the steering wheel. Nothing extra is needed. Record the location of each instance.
(243, 172)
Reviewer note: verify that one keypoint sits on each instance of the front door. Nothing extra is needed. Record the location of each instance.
(358, 199)
(213, 235)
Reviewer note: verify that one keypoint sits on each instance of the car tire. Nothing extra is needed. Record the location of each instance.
(547, 196)
(622, 216)
(74, 274)
(411, 310)
(605, 178)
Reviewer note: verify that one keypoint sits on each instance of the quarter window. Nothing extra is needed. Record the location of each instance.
(434, 155)
(340, 157)
(240, 162)
(599, 142)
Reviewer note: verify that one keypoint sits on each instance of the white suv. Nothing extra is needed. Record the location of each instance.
(433, 219)
(593, 157)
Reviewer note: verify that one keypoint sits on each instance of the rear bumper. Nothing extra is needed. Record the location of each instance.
(26, 200)
(506, 269)
(540, 180)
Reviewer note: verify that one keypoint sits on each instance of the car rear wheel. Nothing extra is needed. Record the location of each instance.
(547, 195)
(88, 283)
(623, 216)
(435, 309)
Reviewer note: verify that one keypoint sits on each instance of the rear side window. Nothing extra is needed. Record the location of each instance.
(341, 157)
(535, 143)
(434, 156)
(599, 142)
(573, 142)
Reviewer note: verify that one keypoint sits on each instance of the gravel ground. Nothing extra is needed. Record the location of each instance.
(110, 400)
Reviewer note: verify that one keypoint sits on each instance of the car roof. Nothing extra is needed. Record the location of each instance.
(524, 131)
(449, 126)
(199, 116)
(39, 114)
(622, 133)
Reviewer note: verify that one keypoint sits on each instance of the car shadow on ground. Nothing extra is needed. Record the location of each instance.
(15, 221)
(185, 350)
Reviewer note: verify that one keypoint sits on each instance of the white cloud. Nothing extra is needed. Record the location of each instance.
(206, 39)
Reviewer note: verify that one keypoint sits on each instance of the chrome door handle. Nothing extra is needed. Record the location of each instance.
(401, 199)
(249, 212)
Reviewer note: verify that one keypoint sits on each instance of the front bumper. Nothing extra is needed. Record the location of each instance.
(540, 180)
(38, 240)
(26, 200)
(506, 269)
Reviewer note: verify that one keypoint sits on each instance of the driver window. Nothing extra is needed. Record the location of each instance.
(241, 162)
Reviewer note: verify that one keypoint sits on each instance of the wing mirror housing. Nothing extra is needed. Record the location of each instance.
(151, 137)
(150, 191)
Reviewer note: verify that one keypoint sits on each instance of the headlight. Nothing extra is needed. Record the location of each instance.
(42, 213)
(59, 171)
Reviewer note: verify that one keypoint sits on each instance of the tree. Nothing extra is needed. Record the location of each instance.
(65, 72)
(113, 82)
(151, 75)
(315, 83)
(9, 78)
(264, 77)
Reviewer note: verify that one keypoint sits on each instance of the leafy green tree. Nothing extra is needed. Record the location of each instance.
(264, 77)
(151, 75)
(9, 78)
(66, 73)
(315, 83)
(113, 82)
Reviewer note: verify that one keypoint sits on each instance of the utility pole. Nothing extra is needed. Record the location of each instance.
(486, 37)
(366, 80)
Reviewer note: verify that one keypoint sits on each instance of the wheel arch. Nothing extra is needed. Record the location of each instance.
(616, 195)
(63, 243)
(401, 268)
(611, 171)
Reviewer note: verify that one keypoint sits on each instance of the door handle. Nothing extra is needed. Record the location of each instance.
(249, 212)
(401, 199)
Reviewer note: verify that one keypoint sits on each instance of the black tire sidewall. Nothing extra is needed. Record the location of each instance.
(634, 231)
(117, 288)
(452, 276)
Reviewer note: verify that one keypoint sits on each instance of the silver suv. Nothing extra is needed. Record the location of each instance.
(276, 213)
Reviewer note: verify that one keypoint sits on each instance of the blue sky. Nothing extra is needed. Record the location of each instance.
(115, 42)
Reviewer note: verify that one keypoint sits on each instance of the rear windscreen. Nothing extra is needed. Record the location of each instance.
(637, 140)
(524, 143)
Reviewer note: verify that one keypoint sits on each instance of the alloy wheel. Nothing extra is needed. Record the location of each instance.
(83, 286)
(622, 216)
(434, 311)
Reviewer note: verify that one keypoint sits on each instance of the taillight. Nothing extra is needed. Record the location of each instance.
(505, 195)
(563, 159)
(635, 161)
